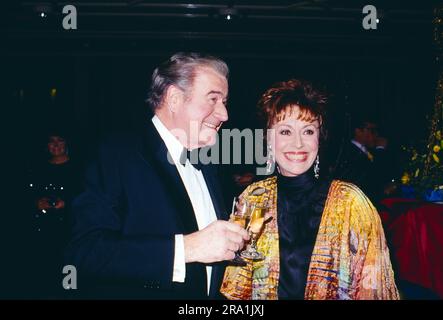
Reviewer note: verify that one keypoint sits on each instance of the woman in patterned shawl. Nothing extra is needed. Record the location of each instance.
(325, 239)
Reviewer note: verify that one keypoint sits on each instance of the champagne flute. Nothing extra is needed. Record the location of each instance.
(257, 219)
(240, 216)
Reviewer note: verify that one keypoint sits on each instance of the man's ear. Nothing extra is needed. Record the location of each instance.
(174, 98)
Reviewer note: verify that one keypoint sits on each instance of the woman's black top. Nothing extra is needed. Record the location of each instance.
(300, 204)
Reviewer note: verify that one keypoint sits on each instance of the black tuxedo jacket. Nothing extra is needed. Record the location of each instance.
(125, 221)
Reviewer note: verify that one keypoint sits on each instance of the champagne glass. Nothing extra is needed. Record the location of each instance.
(257, 219)
(240, 216)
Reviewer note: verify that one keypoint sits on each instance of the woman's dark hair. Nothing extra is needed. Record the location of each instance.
(280, 99)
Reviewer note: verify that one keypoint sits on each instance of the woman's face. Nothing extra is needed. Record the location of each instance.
(294, 143)
(56, 146)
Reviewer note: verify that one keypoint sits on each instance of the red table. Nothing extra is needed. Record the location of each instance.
(415, 230)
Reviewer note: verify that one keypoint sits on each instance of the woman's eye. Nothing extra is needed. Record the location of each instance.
(214, 100)
(285, 132)
(309, 132)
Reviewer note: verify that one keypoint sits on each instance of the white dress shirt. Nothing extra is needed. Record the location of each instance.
(198, 193)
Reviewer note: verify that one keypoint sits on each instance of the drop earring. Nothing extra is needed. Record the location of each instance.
(270, 162)
(317, 167)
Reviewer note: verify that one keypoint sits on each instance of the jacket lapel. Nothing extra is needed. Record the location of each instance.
(155, 152)
(210, 175)
(211, 179)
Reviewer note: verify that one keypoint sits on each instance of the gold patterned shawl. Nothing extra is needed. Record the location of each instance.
(350, 259)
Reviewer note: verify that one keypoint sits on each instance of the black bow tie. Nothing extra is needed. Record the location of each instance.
(192, 156)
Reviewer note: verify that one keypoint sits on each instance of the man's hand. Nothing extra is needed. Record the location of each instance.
(217, 242)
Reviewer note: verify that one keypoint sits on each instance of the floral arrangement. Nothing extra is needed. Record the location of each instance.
(424, 172)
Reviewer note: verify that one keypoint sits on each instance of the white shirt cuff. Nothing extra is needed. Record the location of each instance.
(179, 260)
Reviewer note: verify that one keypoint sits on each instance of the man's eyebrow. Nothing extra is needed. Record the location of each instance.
(216, 92)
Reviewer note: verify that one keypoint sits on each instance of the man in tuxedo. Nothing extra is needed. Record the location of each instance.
(364, 161)
(150, 224)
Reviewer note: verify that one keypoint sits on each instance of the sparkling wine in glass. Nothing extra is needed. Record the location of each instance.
(240, 216)
(257, 219)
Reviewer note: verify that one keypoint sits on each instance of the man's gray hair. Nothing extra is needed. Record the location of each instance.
(180, 70)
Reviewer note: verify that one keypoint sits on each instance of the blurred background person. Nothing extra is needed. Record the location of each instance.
(53, 183)
(365, 160)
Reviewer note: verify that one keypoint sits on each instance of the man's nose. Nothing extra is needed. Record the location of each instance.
(221, 112)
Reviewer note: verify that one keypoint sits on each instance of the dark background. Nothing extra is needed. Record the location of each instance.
(101, 71)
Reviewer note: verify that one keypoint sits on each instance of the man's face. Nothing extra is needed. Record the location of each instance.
(203, 110)
(368, 134)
